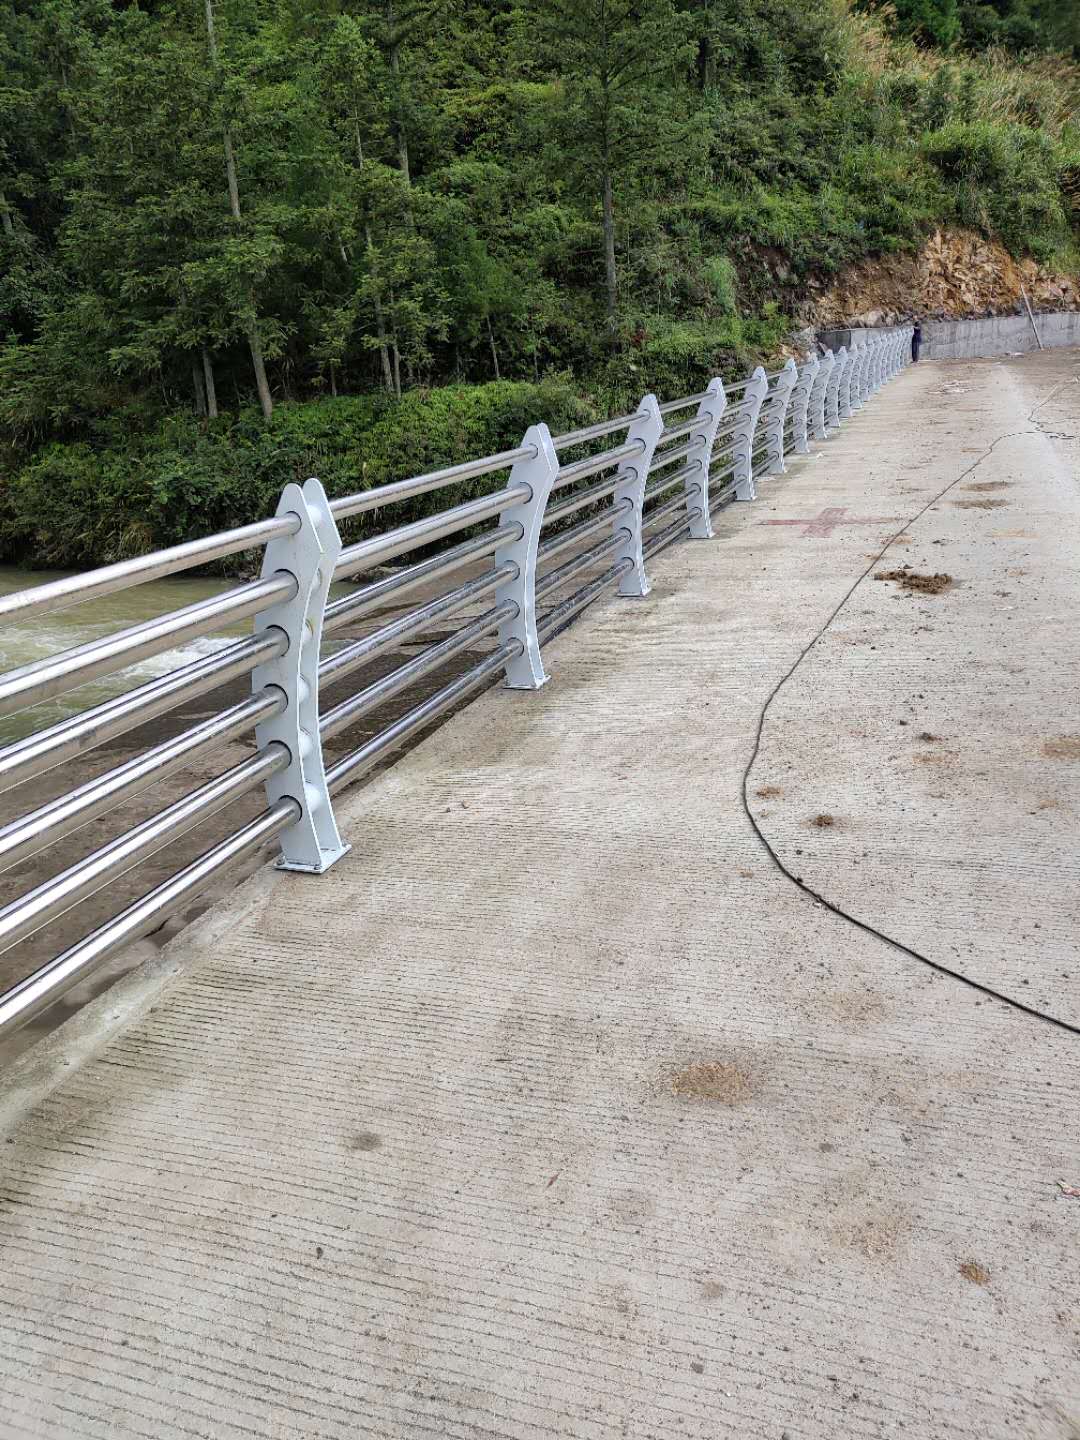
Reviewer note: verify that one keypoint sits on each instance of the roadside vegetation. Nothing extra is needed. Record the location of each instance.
(244, 241)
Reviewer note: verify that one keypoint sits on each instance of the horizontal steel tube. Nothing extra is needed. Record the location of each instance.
(670, 535)
(558, 543)
(686, 428)
(665, 482)
(733, 418)
(394, 587)
(722, 471)
(59, 817)
(42, 679)
(376, 694)
(360, 761)
(738, 385)
(670, 405)
(662, 511)
(49, 983)
(715, 501)
(335, 667)
(423, 532)
(593, 432)
(73, 590)
(24, 759)
(555, 579)
(592, 464)
(557, 619)
(727, 438)
(366, 500)
(53, 897)
(669, 457)
(581, 499)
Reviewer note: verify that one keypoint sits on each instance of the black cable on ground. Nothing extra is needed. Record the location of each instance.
(863, 925)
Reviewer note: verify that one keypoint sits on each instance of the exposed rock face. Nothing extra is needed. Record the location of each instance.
(956, 275)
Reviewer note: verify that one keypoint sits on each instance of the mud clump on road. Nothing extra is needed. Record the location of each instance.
(978, 504)
(987, 485)
(717, 1080)
(915, 584)
(1062, 747)
(824, 822)
(768, 792)
(976, 1273)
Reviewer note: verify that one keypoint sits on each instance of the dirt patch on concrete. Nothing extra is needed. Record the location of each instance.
(878, 1239)
(987, 485)
(853, 1007)
(1062, 747)
(717, 1080)
(823, 821)
(915, 584)
(976, 1273)
(768, 792)
(978, 504)
(367, 1140)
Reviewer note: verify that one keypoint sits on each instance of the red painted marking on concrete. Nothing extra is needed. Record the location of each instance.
(832, 516)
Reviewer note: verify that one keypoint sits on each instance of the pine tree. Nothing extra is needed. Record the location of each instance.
(617, 60)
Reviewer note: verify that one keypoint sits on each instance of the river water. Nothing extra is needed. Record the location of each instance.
(40, 636)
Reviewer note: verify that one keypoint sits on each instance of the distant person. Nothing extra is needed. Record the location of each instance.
(916, 340)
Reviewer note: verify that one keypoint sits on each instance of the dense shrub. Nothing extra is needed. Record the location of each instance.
(77, 503)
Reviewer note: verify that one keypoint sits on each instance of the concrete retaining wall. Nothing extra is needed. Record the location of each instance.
(998, 335)
(970, 339)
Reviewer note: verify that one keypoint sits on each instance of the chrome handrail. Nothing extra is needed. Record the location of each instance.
(611, 525)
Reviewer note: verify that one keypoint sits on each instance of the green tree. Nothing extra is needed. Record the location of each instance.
(617, 61)
(930, 22)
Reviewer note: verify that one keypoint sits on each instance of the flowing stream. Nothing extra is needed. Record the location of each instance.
(40, 636)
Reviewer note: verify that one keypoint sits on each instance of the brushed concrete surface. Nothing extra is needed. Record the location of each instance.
(555, 1109)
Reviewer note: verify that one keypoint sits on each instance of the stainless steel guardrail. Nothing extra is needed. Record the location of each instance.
(569, 518)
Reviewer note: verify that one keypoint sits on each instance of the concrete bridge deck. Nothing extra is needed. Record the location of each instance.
(557, 1109)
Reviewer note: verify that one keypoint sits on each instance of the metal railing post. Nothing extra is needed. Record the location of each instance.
(647, 428)
(526, 671)
(709, 413)
(860, 377)
(843, 398)
(775, 414)
(879, 364)
(832, 390)
(312, 842)
(859, 372)
(753, 399)
(817, 396)
(799, 404)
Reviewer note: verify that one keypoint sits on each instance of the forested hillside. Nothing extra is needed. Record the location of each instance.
(247, 239)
